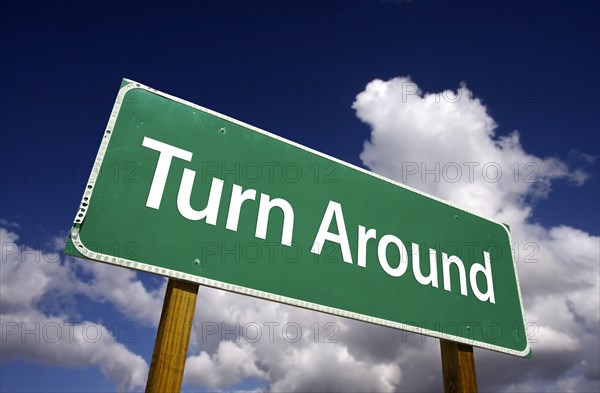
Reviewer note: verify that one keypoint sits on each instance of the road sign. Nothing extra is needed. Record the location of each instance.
(181, 191)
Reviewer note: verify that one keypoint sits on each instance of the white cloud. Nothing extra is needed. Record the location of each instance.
(229, 365)
(9, 224)
(37, 321)
(33, 336)
(331, 368)
(586, 157)
(127, 293)
(291, 349)
(414, 133)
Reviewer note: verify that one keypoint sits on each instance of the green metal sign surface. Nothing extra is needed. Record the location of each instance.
(181, 191)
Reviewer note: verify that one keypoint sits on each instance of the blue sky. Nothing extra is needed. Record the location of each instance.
(294, 69)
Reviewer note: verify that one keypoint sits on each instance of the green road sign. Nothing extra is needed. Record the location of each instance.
(181, 191)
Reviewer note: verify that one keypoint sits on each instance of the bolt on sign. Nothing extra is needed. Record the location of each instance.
(184, 192)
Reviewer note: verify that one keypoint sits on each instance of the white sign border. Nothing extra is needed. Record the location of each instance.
(100, 257)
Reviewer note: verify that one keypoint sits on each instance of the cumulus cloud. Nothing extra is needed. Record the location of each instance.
(445, 144)
(127, 293)
(290, 349)
(229, 365)
(37, 320)
(318, 368)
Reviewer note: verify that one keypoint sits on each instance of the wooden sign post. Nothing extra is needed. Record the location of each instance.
(458, 367)
(173, 337)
